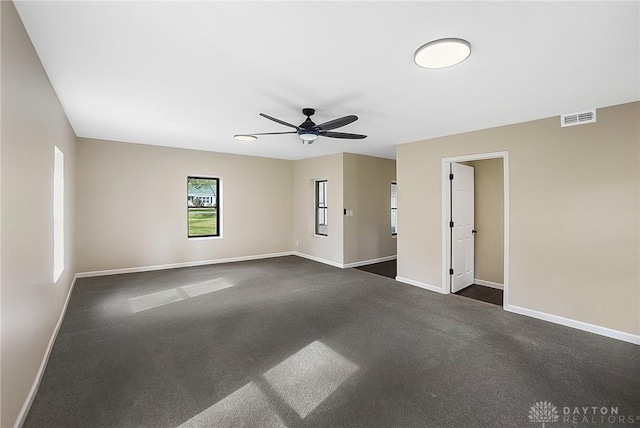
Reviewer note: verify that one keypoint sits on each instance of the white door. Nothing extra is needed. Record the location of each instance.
(462, 232)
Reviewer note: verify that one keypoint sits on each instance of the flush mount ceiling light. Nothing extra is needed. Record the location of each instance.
(442, 53)
(245, 137)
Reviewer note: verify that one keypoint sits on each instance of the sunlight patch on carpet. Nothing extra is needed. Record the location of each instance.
(246, 407)
(154, 300)
(205, 287)
(308, 377)
(161, 298)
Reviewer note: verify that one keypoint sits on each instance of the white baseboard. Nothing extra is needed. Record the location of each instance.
(421, 285)
(318, 259)
(230, 260)
(369, 262)
(181, 265)
(591, 328)
(36, 382)
(488, 284)
(344, 265)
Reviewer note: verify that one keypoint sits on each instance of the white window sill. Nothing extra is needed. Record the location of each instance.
(204, 238)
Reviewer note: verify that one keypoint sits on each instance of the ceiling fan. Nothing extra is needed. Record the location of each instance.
(309, 131)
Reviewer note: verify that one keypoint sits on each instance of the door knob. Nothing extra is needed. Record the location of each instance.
(474, 231)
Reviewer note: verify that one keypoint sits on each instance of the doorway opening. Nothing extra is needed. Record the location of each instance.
(463, 240)
(483, 293)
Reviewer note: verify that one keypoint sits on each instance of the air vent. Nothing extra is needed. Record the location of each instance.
(578, 118)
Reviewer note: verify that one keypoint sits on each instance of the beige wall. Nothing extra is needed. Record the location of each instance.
(574, 209)
(330, 168)
(32, 123)
(355, 182)
(258, 208)
(131, 205)
(489, 210)
(367, 192)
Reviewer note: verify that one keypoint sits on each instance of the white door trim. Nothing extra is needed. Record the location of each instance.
(446, 215)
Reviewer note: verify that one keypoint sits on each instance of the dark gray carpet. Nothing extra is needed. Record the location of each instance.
(290, 342)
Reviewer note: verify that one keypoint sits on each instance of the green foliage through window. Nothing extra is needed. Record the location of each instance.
(203, 207)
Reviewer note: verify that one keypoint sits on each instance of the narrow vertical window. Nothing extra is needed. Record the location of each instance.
(203, 207)
(58, 214)
(322, 209)
(394, 208)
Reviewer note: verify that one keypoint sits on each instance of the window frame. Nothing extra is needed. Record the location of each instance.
(321, 205)
(218, 208)
(58, 214)
(394, 209)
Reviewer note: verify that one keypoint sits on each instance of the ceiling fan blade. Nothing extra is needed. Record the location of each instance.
(336, 123)
(274, 133)
(342, 135)
(281, 122)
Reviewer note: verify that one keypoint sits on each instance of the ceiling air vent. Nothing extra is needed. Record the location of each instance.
(578, 118)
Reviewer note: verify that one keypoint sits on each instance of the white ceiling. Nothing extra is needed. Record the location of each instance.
(193, 74)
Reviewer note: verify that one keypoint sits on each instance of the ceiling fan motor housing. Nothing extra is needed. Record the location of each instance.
(307, 130)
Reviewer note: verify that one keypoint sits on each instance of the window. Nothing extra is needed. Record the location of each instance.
(394, 208)
(203, 207)
(58, 213)
(322, 210)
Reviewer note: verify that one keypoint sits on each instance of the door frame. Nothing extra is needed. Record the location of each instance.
(446, 216)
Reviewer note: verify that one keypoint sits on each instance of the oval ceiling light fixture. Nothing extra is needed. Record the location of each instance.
(442, 53)
(245, 137)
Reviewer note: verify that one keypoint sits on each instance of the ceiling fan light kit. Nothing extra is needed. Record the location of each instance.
(442, 53)
(307, 137)
(308, 131)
